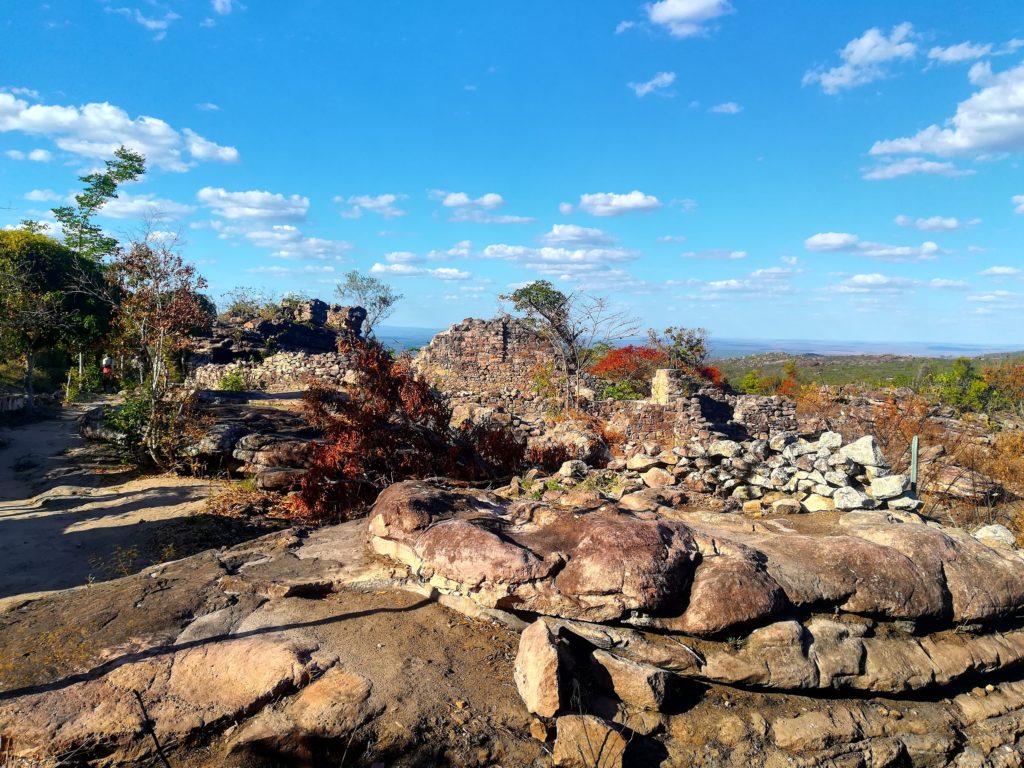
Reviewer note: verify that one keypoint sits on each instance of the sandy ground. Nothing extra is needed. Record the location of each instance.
(70, 514)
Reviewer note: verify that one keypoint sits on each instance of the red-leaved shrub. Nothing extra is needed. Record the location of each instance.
(388, 426)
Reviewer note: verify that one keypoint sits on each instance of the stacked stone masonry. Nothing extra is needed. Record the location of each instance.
(280, 372)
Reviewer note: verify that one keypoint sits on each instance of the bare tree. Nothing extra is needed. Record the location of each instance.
(572, 325)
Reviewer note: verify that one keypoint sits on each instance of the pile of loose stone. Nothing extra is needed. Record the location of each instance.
(786, 473)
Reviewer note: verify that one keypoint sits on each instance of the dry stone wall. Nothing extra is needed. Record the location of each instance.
(492, 362)
(280, 372)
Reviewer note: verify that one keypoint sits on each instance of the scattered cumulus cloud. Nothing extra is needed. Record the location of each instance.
(913, 166)
(480, 210)
(864, 59)
(935, 223)
(253, 205)
(1018, 202)
(945, 284)
(1001, 272)
(844, 242)
(687, 18)
(401, 257)
(43, 196)
(875, 283)
(989, 121)
(715, 254)
(144, 206)
(960, 52)
(224, 7)
(656, 83)
(287, 242)
(96, 130)
(560, 262)
(208, 106)
(382, 205)
(614, 204)
(407, 270)
(35, 155)
(672, 239)
(728, 108)
(572, 234)
(623, 26)
(461, 250)
(158, 25)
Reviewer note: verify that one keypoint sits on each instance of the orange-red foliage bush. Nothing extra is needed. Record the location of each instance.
(635, 364)
(389, 426)
(548, 457)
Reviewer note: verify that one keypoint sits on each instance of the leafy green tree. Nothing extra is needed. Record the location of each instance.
(42, 305)
(962, 387)
(81, 233)
(373, 295)
(685, 348)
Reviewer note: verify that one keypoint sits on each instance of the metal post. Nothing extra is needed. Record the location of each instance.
(914, 445)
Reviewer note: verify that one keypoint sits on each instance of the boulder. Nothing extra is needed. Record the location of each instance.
(657, 477)
(848, 498)
(639, 462)
(817, 502)
(889, 487)
(962, 484)
(996, 536)
(542, 670)
(586, 741)
(725, 448)
(865, 452)
(574, 468)
(641, 686)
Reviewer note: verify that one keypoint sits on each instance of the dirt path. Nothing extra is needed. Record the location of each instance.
(69, 514)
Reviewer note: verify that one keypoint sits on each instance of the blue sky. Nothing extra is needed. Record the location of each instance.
(829, 170)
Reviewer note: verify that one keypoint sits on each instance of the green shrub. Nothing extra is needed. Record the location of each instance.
(621, 390)
(132, 417)
(232, 381)
(79, 384)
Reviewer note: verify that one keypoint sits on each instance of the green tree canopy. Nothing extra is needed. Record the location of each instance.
(42, 303)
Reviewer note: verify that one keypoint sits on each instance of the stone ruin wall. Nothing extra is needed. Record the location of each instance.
(494, 362)
(490, 362)
(284, 371)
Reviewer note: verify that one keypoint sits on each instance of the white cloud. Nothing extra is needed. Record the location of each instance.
(622, 26)
(945, 284)
(771, 281)
(791, 260)
(288, 242)
(959, 52)
(715, 254)
(208, 106)
(1018, 201)
(672, 238)
(728, 108)
(562, 263)
(994, 297)
(382, 205)
(407, 270)
(401, 257)
(43, 196)
(844, 242)
(479, 210)
(565, 208)
(935, 223)
(572, 234)
(460, 250)
(613, 204)
(875, 283)
(864, 59)
(686, 18)
(278, 271)
(35, 155)
(1001, 272)
(659, 81)
(909, 166)
(223, 7)
(204, 149)
(989, 121)
(156, 24)
(253, 205)
(129, 206)
(96, 130)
